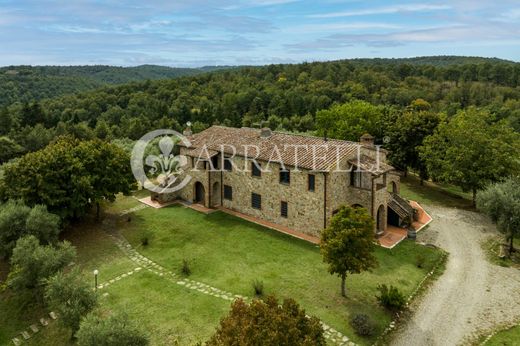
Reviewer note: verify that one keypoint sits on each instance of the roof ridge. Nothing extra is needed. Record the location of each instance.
(288, 134)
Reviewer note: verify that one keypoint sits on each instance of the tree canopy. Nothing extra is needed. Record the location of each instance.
(472, 150)
(265, 322)
(501, 202)
(347, 244)
(69, 176)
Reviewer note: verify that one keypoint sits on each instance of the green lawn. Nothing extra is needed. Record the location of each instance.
(168, 312)
(225, 252)
(95, 251)
(229, 253)
(431, 193)
(508, 337)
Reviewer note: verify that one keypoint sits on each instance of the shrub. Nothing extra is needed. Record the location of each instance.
(266, 322)
(362, 325)
(71, 297)
(419, 260)
(145, 239)
(390, 297)
(258, 287)
(116, 330)
(185, 269)
(32, 263)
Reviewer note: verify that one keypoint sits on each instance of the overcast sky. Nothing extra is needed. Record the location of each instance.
(232, 32)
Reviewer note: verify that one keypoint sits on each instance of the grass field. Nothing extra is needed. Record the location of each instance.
(508, 337)
(230, 253)
(431, 193)
(225, 252)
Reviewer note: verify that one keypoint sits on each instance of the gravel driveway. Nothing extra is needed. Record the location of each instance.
(472, 295)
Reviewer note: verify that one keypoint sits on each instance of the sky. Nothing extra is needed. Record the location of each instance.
(192, 33)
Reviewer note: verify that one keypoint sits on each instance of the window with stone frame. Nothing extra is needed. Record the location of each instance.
(228, 192)
(356, 177)
(228, 166)
(311, 182)
(256, 201)
(284, 209)
(255, 169)
(285, 176)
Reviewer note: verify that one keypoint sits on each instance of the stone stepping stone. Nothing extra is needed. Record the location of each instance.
(44, 322)
(26, 335)
(53, 315)
(16, 341)
(34, 328)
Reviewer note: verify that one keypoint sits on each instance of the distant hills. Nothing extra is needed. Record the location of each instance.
(32, 83)
(29, 83)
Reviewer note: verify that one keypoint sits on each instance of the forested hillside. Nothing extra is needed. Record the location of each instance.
(29, 83)
(282, 96)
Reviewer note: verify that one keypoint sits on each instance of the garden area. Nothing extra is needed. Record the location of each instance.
(220, 251)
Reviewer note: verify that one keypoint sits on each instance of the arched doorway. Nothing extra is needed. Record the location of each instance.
(394, 187)
(200, 193)
(215, 194)
(381, 219)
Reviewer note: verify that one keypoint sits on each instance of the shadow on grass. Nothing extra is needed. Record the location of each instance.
(432, 193)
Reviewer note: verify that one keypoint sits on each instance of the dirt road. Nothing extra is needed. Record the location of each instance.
(472, 295)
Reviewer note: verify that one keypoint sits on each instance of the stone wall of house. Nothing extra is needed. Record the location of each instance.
(305, 208)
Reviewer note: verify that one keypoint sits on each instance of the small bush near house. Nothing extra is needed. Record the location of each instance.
(112, 331)
(419, 260)
(145, 239)
(362, 325)
(390, 297)
(186, 269)
(258, 287)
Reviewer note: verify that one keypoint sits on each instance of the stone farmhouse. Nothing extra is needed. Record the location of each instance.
(292, 180)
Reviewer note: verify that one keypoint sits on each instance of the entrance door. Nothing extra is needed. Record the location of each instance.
(199, 193)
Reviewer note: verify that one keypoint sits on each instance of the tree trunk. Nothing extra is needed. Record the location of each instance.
(405, 172)
(422, 182)
(343, 291)
(511, 245)
(474, 202)
(97, 211)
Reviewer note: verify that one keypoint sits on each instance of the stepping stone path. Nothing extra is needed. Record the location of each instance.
(34, 329)
(134, 209)
(330, 333)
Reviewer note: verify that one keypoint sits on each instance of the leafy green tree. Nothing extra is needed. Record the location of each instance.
(70, 176)
(116, 330)
(347, 244)
(471, 150)
(501, 202)
(350, 120)
(43, 225)
(406, 132)
(265, 322)
(13, 218)
(9, 149)
(18, 220)
(32, 263)
(71, 297)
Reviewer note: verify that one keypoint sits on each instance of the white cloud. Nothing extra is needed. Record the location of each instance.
(383, 10)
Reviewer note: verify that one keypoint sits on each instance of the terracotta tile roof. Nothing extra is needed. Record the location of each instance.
(368, 164)
(202, 153)
(317, 154)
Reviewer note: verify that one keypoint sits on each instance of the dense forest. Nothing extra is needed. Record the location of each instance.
(281, 96)
(30, 83)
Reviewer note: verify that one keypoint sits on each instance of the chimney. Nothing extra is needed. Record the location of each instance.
(367, 140)
(265, 132)
(187, 131)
